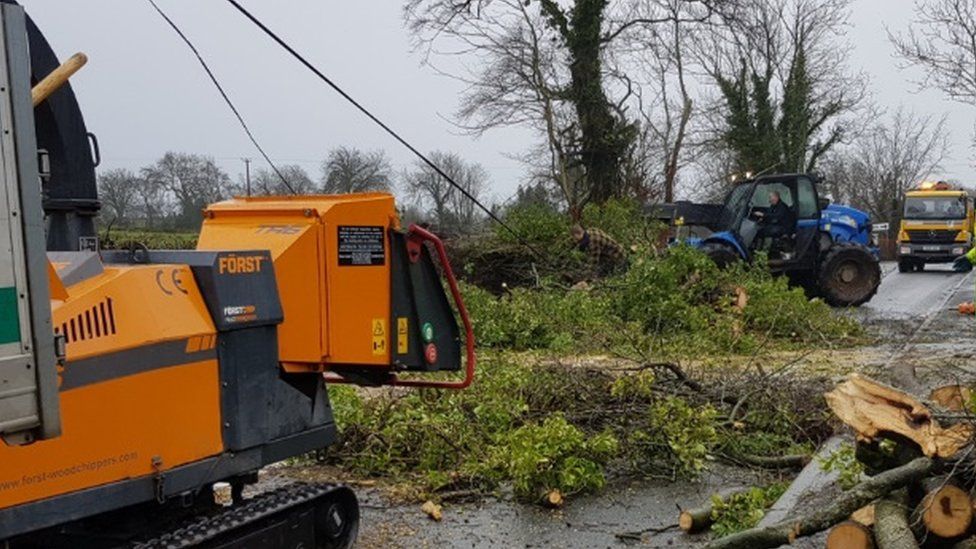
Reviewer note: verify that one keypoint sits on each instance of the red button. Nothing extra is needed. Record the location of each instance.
(430, 353)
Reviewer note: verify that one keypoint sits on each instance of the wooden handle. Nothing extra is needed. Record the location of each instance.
(57, 78)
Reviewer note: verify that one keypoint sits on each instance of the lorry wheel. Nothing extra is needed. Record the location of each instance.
(722, 254)
(905, 266)
(848, 275)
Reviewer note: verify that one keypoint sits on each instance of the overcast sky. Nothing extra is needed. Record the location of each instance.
(143, 93)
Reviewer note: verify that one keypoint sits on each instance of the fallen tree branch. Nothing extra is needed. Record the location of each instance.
(891, 529)
(862, 494)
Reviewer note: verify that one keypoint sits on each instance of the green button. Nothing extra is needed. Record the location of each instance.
(428, 332)
(9, 317)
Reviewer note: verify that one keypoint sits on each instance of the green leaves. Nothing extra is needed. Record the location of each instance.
(743, 510)
(554, 455)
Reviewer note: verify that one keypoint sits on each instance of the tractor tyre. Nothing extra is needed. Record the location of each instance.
(848, 275)
(905, 266)
(722, 254)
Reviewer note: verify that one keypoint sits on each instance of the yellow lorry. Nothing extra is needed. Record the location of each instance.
(936, 226)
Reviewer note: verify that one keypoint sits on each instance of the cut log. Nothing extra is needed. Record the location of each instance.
(821, 519)
(952, 397)
(875, 410)
(864, 515)
(946, 511)
(698, 519)
(850, 535)
(891, 529)
(692, 521)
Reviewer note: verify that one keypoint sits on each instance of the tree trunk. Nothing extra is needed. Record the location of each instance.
(821, 519)
(603, 139)
(891, 529)
(850, 535)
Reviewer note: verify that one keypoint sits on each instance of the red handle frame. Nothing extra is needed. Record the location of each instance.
(416, 236)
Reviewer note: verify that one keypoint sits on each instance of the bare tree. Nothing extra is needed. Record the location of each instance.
(350, 170)
(942, 41)
(548, 65)
(445, 205)
(876, 170)
(119, 192)
(194, 181)
(267, 182)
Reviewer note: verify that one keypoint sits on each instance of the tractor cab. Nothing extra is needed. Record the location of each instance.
(825, 248)
(745, 220)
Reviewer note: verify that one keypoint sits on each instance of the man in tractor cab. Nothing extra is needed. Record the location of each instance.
(776, 222)
(605, 254)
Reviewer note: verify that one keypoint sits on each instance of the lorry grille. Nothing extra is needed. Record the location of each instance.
(935, 236)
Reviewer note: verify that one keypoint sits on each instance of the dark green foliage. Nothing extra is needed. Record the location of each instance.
(769, 136)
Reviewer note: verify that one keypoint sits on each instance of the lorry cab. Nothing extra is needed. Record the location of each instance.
(936, 226)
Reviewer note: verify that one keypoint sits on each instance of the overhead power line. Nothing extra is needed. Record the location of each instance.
(308, 65)
(216, 83)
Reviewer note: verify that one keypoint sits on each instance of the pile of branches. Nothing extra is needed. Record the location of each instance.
(920, 458)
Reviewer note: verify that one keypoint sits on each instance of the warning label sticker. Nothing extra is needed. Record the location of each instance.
(403, 335)
(379, 336)
(361, 246)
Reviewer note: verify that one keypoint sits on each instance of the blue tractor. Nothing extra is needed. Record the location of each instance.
(827, 249)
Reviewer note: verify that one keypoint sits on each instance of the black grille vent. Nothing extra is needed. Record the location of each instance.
(99, 321)
(936, 236)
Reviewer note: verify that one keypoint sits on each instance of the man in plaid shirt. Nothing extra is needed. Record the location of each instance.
(605, 254)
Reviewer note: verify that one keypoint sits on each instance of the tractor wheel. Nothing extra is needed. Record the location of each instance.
(722, 254)
(905, 266)
(848, 275)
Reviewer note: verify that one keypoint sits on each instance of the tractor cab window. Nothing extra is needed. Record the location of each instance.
(806, 200)
(760, 198)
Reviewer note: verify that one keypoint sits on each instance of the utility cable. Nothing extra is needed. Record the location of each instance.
(216, 83)
(301, 59)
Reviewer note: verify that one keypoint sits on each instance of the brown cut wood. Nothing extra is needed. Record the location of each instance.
(875, 410)
(850, 535)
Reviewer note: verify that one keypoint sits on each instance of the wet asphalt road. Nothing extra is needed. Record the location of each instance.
(918, 294)
(920, 305)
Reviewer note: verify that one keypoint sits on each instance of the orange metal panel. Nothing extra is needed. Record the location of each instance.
(293, 243)
(359, 296)
(113, 431)
(114, 428)
(334, 314)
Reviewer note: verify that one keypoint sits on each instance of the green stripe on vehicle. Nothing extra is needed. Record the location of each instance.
(9, 317)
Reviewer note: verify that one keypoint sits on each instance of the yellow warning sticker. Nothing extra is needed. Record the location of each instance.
(403, 335)
(379, 336)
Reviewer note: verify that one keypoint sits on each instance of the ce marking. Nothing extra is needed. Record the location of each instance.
(174, 281)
